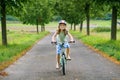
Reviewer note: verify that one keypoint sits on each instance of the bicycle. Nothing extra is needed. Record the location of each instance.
(63, 59)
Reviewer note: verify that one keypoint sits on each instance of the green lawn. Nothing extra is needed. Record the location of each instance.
(101, 23)
(19, 24)
(16, 24)
(101, 41)
(18, 42)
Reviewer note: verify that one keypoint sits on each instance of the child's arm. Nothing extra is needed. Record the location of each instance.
(53, 37)
(70, 36)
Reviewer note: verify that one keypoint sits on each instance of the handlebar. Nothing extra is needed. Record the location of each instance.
(53, 42)
(71, 42)
(68, 42)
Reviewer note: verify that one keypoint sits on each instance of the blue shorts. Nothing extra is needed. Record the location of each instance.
(58, 47)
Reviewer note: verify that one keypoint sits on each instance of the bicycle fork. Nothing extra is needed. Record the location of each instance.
(63, 59)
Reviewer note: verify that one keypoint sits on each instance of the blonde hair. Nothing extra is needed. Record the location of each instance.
(59, 30)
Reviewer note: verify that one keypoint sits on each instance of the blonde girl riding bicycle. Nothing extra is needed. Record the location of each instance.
(60, 36)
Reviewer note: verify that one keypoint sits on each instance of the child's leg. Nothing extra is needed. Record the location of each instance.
(68, 53)
(58, 58)
(58, 49)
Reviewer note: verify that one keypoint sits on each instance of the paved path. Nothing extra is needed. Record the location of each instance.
(39, 64)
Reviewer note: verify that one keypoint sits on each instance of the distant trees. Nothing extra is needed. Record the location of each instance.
(70, 11)
(76, 11)
(38, 13)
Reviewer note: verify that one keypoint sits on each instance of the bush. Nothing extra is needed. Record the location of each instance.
(101, 29)
(118, 29)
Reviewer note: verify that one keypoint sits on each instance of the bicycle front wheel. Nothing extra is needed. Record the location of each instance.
(63, 65)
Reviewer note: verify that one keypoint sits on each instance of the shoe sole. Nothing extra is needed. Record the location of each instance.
(68, 59)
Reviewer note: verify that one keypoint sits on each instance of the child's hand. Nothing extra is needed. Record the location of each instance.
(53, 42)
(72, 41)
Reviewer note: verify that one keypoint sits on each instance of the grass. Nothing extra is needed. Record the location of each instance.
(19, 24)
(103, 23)
(99, 40)
(102, 42)
(18, 43)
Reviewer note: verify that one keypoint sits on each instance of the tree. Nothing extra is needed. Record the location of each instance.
(4, 5)
(79, 6)
(114, 23)
(69, 11)
(87, 11)
(39, 13)
(86, 7)
(114, 4)
(3, 22)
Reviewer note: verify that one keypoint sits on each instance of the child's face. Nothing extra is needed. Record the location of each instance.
(62, 26)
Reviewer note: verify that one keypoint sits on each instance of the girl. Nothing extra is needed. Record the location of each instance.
(61, 36)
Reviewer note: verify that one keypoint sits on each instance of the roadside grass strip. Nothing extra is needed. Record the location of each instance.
(18, 44)
(106, 47)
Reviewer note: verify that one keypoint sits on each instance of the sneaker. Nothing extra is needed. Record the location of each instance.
(57, 66)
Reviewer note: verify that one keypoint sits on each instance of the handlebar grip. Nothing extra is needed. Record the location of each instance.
(71, 41)
(53, 42)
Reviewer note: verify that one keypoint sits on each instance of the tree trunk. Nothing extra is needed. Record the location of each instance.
(3, 22)
(71, 27)
(114, 23)
(37, 26)
(81, 26)
(74, 27)
(42, 28)
(88, 18)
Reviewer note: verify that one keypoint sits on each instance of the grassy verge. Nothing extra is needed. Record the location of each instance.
(103, 23)
(111, 48)
(19, 43)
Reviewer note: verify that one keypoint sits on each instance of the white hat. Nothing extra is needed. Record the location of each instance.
(62, 22)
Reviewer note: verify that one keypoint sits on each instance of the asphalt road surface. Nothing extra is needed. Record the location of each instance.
(39, 64)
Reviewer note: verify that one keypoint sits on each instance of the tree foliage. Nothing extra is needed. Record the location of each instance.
(70, 11)
(38, 13)
(40, 10)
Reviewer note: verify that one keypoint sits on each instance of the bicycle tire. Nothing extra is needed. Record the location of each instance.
(63, 65)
